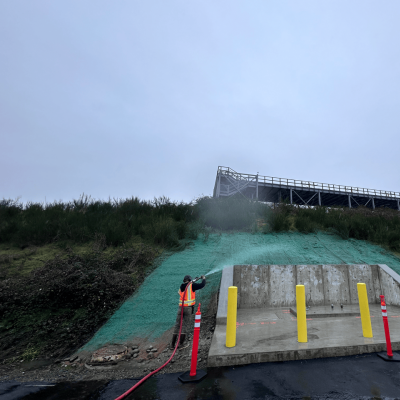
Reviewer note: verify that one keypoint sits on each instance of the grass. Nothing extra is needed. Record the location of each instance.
(14, 261)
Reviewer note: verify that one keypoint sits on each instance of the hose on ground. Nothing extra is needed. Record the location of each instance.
(160, 368)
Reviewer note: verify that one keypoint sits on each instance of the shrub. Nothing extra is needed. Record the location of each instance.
(78, 292)
(159, 221)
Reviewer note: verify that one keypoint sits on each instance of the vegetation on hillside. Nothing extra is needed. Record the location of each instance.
(56, 308)
(65, 267)
(380, 226)
(160, 222)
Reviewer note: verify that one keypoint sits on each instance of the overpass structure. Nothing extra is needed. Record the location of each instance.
(270, 189)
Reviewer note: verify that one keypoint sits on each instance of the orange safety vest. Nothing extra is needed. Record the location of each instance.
(190, 297)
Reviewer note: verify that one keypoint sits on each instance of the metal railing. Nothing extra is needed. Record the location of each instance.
(326, 187)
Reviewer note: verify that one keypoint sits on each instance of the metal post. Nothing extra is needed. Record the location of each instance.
(279, 196)
(257, 187)
(319, 199)
(301, 314)
(219, 184)
(291, 196)
(364, 310)
(373, 203)
(349, 201)
(230, 340)
(398, 205)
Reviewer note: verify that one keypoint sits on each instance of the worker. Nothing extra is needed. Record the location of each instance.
(188, 306)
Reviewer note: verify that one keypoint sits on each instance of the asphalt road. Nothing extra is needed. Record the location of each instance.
(354, 377)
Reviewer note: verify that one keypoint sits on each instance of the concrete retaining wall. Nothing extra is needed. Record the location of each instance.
(265, 286)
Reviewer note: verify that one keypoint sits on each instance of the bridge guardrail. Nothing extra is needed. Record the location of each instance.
(307, 184)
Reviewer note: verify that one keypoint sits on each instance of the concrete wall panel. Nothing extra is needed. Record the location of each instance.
(336, 284)
(390, 284)
(254, 286)
(282, 285)
(376, 280)
(262, 286)
(226, 281)
(311, 277)
(364, 274)
(237, 280)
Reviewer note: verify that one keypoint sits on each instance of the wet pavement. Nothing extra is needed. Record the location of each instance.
(355, 377)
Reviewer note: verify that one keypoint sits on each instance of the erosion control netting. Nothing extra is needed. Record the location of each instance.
(152, 309)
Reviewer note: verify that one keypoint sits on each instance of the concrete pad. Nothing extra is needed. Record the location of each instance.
(267, 335)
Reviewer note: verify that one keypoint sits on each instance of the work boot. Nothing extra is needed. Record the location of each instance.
(183, 338)
(173, 341)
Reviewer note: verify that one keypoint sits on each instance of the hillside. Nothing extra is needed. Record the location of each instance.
(65, 268)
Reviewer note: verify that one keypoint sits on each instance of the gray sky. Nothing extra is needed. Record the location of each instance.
(147, 98)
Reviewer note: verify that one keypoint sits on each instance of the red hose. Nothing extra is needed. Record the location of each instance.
(162, 366)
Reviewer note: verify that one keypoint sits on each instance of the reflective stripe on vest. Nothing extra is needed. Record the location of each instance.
(190, 297)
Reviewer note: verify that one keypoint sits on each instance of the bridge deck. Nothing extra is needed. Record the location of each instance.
(270, 189)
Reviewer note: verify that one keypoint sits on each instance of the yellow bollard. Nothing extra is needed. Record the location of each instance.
(231, 317)
(301, 314)
(364, 310)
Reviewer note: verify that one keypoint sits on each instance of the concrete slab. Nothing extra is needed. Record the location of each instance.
(266, 335)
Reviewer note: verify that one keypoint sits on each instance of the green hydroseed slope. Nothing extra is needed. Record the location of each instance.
(152, 309)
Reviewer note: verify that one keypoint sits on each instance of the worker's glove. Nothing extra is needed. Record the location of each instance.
(203, 277)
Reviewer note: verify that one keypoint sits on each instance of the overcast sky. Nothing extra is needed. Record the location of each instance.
(147, 98)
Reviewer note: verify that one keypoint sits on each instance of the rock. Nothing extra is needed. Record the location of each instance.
(136, 351)
(154, 350)
(199, 359)
(148, 350)
(73, 358)
(135, 355)
(134, 347)
(150, 347)
(140, 360)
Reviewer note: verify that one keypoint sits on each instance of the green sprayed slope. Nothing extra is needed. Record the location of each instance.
(152, 309)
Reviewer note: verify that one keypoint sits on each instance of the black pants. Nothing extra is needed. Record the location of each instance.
(186, 321)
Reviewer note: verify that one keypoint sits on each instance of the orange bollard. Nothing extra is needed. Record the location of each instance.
(194, 375)
(389, 355)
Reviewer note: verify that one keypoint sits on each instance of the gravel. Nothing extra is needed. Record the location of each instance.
(53, 370)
